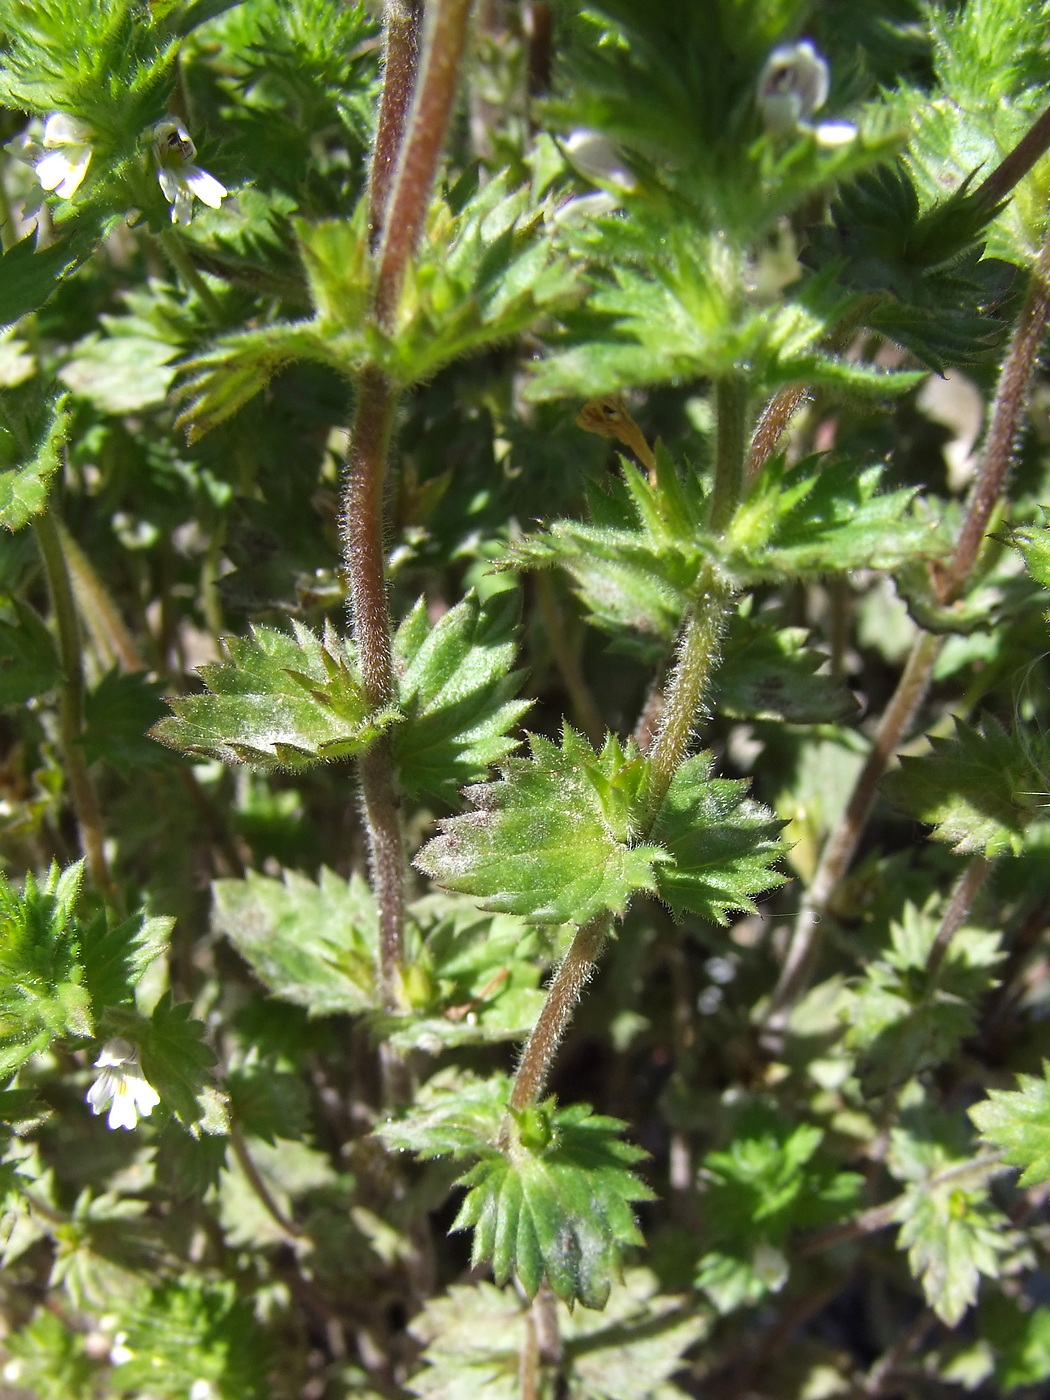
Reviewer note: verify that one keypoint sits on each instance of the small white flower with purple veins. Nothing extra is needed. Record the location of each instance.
(65, 155)
(794, 85)
(122, 1085)
(180, 180)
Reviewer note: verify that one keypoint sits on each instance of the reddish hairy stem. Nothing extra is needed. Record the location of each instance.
(363, 558)
(573, 973)
(435, 93)
(1010, 398)
(404, 21)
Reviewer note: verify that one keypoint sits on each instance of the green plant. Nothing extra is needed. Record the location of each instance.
(524, 788)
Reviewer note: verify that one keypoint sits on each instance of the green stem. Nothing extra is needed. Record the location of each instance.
(71, 702)
(696, 660)
(841, 845)
(183, 265)
(970, 881)
(730, 404)
(697, 654)
(585, 708)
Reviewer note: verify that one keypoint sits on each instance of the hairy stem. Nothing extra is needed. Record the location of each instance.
(697, 654)
(696, 660)
(914, 682)
(1011, 396)
(403, 23)
(573, 973)
(962, 1174)
(262, 1192)
(1016, 165)
(363, 564)
(435, 91)
(584, 705)
(183, 265)
(730, 403)
(71, 703)
(970, 881)
(842, 843)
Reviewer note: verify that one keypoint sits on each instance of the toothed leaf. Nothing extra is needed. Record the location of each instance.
(551, 839)
(279, 701)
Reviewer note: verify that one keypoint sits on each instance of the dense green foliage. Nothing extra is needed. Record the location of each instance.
(523, 655)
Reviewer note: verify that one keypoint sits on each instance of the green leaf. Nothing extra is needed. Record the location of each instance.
(551, 840)
(901, 1020)
(484, 273)
(951, 1231)
(768, 672)
(174, 1057)
(981, 790)
(455, 693)
(118, 713)
(768, 1181)
(1034, 544)
(224, 378)
(277, 702)
(267, 1103)
(474, 1338)
(29, 664)
(311, 944)
(42, 992)
(556, 1205)
(454, 1115)
(50, 1360)
(29, 275)
(471, 977)
(115, 959)
(120, 373)
(24, 490)
(820, 517)
(1017, 1122)
(189, 1330)
(722, 845)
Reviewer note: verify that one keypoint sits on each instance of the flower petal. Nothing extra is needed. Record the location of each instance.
(123, 1114)
(182, 205)
(69, 186)
(169, 182)
(60, 129)
(101, 1091)
(53, 168)
(207, 189)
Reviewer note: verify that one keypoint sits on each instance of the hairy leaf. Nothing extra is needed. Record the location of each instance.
(277, 702)
(474, 1338)
(42, 991)
(551, 840)
(901, 1019)
(980, 790)
(722, 844)
(556, 1204)
(456, 694)
(311, 944)
(24, 489)
(1017, 1122)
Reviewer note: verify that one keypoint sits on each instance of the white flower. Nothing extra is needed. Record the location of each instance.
(122, 1085)
(181, 180)
(794, 85)
(62, 155)
(598, 159)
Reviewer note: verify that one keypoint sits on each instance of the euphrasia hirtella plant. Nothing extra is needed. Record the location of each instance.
(523, 596)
